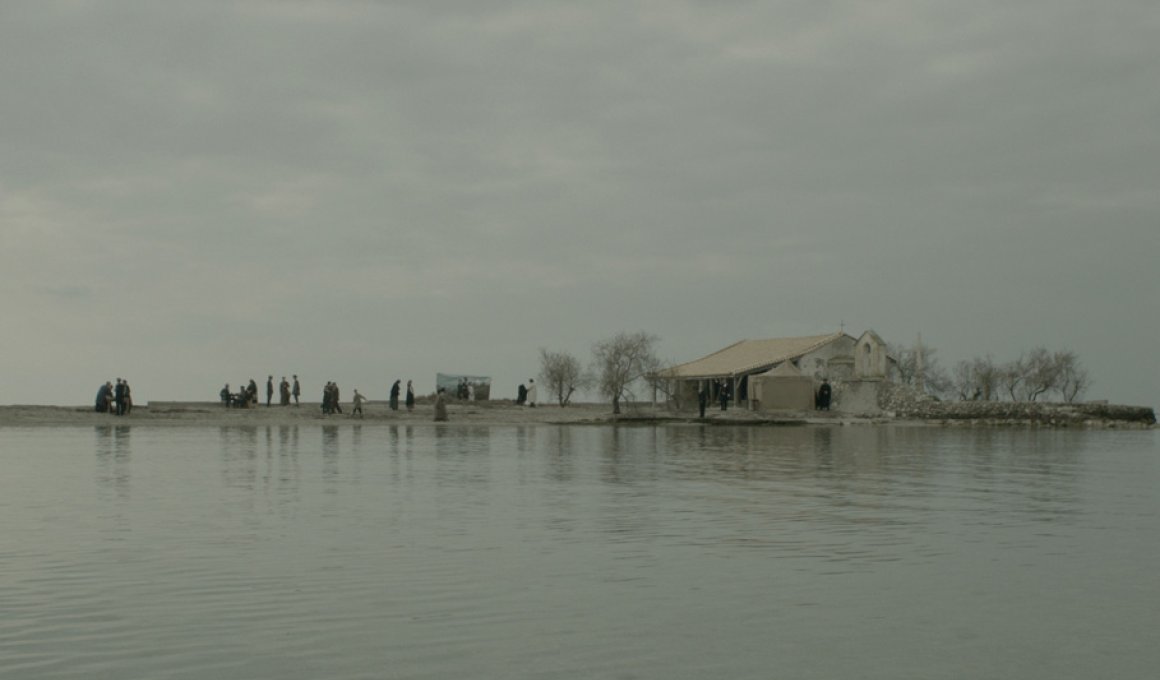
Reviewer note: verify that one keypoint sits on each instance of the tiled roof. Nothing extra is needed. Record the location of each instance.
(747, 356)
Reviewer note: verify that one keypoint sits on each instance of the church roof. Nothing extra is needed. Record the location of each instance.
(747, 356)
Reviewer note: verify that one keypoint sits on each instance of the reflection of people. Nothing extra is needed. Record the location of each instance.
(410, 396)
(532, 392)
(440, 406)
(825, 392)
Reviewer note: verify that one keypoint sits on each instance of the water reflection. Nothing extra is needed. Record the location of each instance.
(114, 458)
(354, 543)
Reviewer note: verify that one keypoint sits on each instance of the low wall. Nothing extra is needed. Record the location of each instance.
(904, 402)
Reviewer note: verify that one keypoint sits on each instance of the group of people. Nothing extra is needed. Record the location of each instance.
(115, 399)
(247, 397)
(724, 393)
(526, 394)
(285, 391)
(409, 399)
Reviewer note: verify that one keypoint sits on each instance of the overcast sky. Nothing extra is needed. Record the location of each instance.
(195, 193)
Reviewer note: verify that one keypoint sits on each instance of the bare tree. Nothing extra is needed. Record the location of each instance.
(935, 379)
(660, 380)
(977, 379)
(1011, 376)
(1073, 378)
(1041, 372)
(562, 375)
(622, 360)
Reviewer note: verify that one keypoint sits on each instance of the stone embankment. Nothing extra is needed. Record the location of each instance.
(904, 403)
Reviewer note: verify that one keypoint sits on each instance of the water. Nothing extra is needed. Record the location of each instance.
(577, 552)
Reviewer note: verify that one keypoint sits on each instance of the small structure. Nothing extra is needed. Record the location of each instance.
(782, 387)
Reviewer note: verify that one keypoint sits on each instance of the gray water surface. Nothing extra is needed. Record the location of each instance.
(578, 552)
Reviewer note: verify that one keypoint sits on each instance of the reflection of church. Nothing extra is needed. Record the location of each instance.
(784, 373)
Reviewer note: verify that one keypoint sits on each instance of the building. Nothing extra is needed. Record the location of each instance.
(784, 373)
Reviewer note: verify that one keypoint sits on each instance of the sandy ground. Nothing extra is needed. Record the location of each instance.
(483, 413)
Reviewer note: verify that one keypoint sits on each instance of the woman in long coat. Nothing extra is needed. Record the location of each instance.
(410, 396)
(395, 396)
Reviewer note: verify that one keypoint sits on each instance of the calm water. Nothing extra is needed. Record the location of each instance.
(578, 552)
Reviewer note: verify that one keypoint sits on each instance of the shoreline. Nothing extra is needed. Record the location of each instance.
(378, 413)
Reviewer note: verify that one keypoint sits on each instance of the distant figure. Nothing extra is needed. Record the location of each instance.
(410, 396)
(723, 395)
(394, 402)
(225, 395)
(284, 392)
(825, 392)
(521, 395)
(357, 400)
(702, 399)
(119, 398)
(471, 391)
(532, 392)
(296, 390)
(269, 390)
(252, 393)
(127, 403)
(440, 406)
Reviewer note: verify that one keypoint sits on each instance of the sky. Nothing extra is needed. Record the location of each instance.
(196, 193)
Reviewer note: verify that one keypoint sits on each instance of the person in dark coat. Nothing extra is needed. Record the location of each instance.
(225, 395)
(825, 393)
(702, 399)
(102, 404)
(269, 390)
(394, 403)
(296, 390)
(119, 397)
(723, 395)
(521, 395)
(410, 396)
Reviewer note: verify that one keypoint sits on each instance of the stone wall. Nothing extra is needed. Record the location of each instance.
(904, 402)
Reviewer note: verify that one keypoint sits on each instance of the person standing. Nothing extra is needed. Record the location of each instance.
(119, 398)
(440, 406)
(357, 400)
(521, 394)
(825, 393)
(532, 392)
(225, 395)
(269, 390)
(284, 392)
(296, 390)
(410, 397)
(702, 398)
(394, 401)
(127, 404)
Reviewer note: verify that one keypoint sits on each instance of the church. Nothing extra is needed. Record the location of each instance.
(784, 373)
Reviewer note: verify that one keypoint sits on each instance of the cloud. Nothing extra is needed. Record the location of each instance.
(234, 181)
